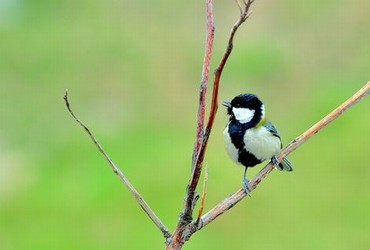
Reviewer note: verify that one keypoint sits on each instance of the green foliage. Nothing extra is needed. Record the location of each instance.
(133, 69)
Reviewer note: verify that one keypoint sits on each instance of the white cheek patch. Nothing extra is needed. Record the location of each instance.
(243, 115)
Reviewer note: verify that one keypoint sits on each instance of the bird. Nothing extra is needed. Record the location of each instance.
(249, 137)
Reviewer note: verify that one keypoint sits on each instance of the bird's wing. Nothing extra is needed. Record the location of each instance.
(271, 128)
(285, 164)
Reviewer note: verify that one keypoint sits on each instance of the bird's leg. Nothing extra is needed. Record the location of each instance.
(246, 182)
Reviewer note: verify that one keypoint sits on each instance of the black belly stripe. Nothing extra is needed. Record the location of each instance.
(237, 131)
(247, 159)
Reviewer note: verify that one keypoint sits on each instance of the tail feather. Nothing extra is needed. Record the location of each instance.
(285, 164)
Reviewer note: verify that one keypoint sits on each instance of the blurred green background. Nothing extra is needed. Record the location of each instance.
(133, 69)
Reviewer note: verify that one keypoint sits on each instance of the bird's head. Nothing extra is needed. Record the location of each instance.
(246, 108)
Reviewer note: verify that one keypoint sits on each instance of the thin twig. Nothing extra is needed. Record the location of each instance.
(204, 81)
(120, 174)
(204, 193)
(233, 199)
(214, 103)
(240, 7)
(189, 199)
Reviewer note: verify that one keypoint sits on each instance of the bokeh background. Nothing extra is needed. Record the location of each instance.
(133, 69)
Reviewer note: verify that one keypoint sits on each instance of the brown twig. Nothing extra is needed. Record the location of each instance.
(193, 182)
(120, 174)
(245, 13)
(233, 199)
(204, 81)
(178, 237)
(189, 199)
(204, 193)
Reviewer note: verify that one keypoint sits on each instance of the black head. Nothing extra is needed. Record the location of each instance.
(245, 108)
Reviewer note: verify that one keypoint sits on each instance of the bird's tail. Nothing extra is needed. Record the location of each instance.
(285, 164)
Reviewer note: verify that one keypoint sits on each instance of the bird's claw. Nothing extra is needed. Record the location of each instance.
(275, 161)
(246, 187)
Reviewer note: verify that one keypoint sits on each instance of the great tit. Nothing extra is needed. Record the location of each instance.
(249, 138)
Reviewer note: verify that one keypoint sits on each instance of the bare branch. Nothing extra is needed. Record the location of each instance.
(197, 168)
(243, 17)
(120, 174)
(358, 96)
(204, 81)
(178, 237)
(184, 227)
(233, 199)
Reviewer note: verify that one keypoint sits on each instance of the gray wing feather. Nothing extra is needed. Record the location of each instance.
(285, 164)
(270, 127)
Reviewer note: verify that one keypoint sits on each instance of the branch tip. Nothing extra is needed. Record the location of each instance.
(65, 97)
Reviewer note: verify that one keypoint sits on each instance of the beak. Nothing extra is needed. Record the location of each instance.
(226, 104)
